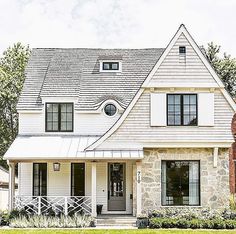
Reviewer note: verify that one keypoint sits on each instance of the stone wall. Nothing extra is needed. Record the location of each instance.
(214, 182)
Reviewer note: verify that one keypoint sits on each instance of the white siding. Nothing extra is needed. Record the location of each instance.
(136, 130)
(59, 181)
(84, 124)
(172, 71)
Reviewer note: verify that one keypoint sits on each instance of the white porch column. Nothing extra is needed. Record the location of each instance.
(93, 190)
(11, 190)
(139, 189)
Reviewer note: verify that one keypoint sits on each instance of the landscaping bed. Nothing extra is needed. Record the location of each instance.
(188, 218)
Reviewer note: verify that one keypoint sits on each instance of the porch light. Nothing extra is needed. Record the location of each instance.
(56, 166)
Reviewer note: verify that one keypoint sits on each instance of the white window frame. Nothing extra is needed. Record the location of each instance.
(110, 61)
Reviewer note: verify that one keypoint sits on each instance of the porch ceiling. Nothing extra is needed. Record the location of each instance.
(62, 148)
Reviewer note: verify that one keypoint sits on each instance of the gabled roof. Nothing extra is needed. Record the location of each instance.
(181, 30)
(75, 73)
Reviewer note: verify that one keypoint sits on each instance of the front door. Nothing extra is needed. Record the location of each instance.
(116, 187)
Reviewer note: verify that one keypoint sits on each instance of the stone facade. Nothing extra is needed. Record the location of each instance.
(214, 181)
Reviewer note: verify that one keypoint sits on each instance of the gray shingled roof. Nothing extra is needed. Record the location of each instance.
(75, 73)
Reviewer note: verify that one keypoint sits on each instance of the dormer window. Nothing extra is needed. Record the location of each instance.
(110, 66)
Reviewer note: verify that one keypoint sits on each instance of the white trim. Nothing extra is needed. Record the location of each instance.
(215, 156)
(180, 85)
(110, 61)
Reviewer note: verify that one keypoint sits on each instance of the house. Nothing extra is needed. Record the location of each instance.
(130, 129)
(4, 178)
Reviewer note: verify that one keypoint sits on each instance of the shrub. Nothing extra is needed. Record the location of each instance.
(155, 223)
(219, 224)
(42, 221)
(196, 223)
(182, 223)
(230, 224)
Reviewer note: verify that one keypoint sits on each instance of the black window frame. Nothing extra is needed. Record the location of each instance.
(33, 182)
(110, 66)
(59, 116)
(199, 182)
(72, 178)
(110, 104)
(182, 50)
(181, 109)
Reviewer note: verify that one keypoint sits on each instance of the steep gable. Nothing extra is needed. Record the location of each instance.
(133, 128)
(182, 70)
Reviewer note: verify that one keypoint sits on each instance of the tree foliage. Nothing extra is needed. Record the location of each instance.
(225, 66)
(12, 66)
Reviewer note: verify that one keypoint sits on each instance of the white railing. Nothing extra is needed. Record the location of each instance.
(55, 205)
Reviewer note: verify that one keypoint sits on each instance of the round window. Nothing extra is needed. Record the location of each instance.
(110, 109)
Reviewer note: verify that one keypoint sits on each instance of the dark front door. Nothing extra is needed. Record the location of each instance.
(116, 187)
(77, 179)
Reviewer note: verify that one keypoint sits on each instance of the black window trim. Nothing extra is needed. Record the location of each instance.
(181, 110)
(199, 182)
(46, 178)
(71, 187)
(110, 66)
(59, 116)
(180, 50)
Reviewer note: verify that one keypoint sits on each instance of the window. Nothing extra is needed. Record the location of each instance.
(77, 179)
(110, 110)
(182, 50)
(182, 109)
(110, 66)
(180, 183)
(40, 179)
(59, 117)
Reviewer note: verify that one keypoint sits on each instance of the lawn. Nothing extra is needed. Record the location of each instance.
(144, 231)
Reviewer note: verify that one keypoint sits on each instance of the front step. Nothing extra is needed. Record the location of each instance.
(124, 221)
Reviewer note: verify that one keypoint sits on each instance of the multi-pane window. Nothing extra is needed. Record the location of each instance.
(110, 65)
(110, 109)
(40, 179)
(59, 117)
(182, 109)
(182, 50)
(180, 183)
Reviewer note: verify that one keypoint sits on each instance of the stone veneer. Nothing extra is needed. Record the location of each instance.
(214, 182)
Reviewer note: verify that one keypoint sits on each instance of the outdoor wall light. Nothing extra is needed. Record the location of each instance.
(56, 166)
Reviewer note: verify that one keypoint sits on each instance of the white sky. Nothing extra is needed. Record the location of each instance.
(116, 23)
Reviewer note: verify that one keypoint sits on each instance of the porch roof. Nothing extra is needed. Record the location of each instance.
(63, 147)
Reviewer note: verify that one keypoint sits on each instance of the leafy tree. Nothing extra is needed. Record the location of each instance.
(225, 66)
(12, 66)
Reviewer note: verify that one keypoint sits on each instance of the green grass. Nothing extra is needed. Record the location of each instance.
(143, 231)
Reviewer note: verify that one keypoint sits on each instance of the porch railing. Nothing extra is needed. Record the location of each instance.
(57, 205)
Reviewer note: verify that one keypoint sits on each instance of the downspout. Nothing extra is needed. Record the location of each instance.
(232, 157)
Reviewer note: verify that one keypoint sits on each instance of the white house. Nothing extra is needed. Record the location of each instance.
(130, 129)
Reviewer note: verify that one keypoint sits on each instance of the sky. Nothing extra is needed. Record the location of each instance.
(116, 23)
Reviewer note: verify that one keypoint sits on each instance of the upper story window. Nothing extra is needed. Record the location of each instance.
(110, 109)
(182, 50)
(59, 117)
(181, 109)
(110, 66)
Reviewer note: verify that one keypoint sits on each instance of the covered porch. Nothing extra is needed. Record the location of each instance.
(76, 186)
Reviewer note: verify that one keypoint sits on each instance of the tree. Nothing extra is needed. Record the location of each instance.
(12, 66)
(225, 67)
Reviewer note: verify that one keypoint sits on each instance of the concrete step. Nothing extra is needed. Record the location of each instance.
(128, 221)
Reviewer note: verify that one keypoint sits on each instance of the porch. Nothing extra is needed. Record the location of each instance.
(77, 187)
